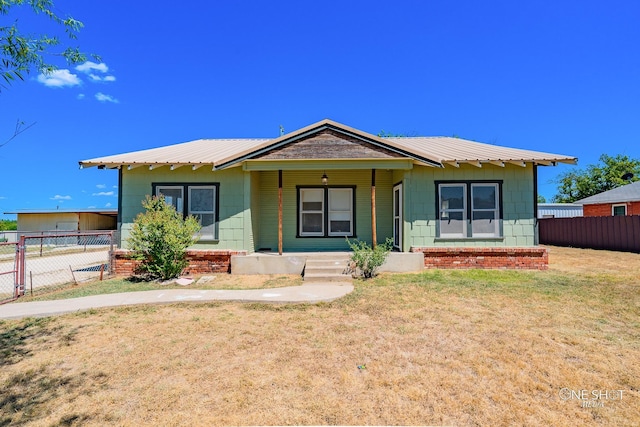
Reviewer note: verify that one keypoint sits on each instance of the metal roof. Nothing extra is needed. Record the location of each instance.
(220, 153)
(56, 211)
(625, 193)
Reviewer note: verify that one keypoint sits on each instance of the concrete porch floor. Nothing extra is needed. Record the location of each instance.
(294, 262)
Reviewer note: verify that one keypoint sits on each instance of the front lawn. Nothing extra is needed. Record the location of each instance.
(439, 347)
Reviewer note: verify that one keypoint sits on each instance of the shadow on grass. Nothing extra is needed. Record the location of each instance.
(26, 395)
(27, 391)
(14, 341)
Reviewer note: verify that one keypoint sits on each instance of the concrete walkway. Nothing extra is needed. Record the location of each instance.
(318, 292)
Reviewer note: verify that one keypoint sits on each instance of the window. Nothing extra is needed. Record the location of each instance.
(199, 200)
(485, 213)
(312, 212)
(619, 210)
(325, 212)
(469, 209)
(453, 208)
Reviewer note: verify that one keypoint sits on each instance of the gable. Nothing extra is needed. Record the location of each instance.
(329, 144)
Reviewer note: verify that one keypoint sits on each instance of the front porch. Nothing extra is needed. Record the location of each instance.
(241, 262)
(296, 262)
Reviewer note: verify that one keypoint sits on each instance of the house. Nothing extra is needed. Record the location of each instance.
(559, 210)
(459, 202)
(624, 200)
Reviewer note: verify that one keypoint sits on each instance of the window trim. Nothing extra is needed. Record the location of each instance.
(618, 205)
(468, 210)
(326, 234)
(186, 186)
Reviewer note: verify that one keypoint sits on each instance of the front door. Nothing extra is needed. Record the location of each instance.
(397, 217)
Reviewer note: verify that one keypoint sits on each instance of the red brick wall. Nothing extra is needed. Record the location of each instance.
(200, 262)
(605, 209)
(485, 258)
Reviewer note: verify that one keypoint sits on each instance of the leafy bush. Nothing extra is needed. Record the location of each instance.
(160, 238)
(367, 259)
(8, 225)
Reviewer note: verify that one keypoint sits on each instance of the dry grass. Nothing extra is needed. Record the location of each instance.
(440, 347)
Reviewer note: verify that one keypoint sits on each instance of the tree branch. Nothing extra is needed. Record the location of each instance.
(20, 127)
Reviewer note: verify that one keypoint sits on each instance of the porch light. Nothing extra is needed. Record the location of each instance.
(325, 178)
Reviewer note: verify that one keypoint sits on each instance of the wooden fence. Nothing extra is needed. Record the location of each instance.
(615, 233)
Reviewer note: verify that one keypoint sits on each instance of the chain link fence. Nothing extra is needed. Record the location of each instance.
(47, 262)
(8, 270)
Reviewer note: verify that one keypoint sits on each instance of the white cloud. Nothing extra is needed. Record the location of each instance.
(59, 197)
(59, 78)
(101, 186)
(97, 78)
(104, 193)
(89, 66)
(80, 96)
(106, 98)
(108, 205)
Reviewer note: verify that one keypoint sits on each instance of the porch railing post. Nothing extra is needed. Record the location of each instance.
(280, 212)
(374, 233)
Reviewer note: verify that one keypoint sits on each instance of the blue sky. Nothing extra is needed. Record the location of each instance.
(555, 76)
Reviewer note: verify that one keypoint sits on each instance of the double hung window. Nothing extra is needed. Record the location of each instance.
(325, 212)
(469, 209)
(199, 200)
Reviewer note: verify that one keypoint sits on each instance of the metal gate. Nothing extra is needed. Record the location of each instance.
(48, 262)
(8, 271)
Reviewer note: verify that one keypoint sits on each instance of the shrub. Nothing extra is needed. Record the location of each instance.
(160, 238)
(367, 259)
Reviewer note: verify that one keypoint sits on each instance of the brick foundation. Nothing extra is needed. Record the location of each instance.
(200, 262)
(485, 258)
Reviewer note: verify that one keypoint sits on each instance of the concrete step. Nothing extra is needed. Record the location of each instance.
(326, 278)
(327, 268)
(325, 262)
(330, 269)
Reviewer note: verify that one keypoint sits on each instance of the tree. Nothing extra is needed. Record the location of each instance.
(20, 53)
(160, 238)
(610, 172)
(8, 225)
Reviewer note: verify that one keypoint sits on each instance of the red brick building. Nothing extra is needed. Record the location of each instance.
(624, 200)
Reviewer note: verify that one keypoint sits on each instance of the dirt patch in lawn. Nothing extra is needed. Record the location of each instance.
(438, 347)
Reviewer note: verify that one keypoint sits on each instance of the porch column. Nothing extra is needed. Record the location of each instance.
(374, 233)
(280, 211)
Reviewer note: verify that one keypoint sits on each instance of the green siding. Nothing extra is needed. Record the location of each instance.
(234, 210)
(517, 201)
(248, 210)
(361, 179)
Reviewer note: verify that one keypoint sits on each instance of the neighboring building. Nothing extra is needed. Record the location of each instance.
(311, 189)
(624, 200)
(559, 210)
(66, 219)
